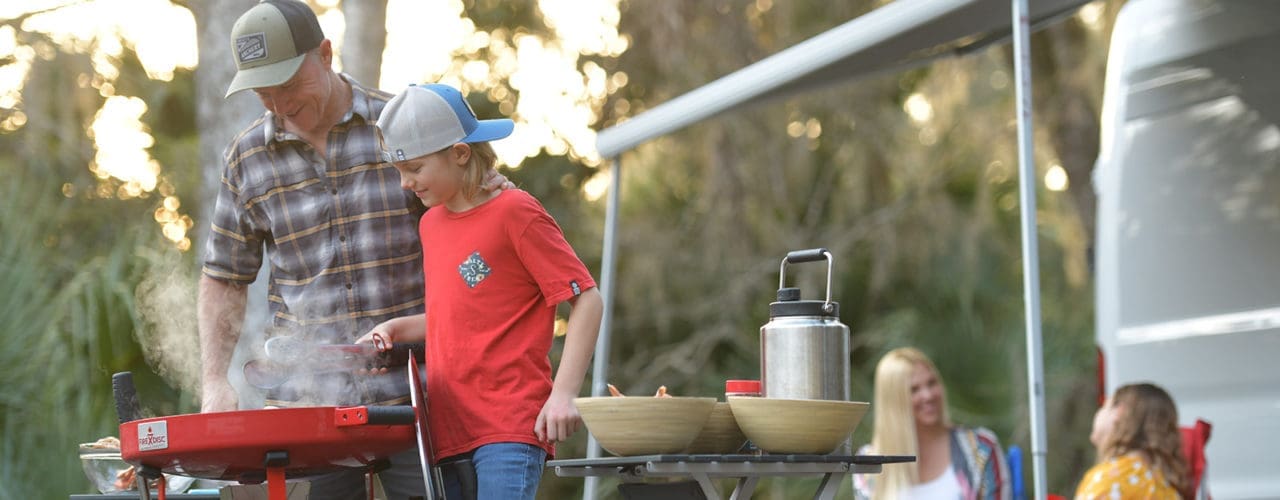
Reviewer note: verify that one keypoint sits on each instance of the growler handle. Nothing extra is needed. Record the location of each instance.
(810, 255)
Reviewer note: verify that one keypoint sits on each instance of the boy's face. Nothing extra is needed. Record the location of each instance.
(435, 178)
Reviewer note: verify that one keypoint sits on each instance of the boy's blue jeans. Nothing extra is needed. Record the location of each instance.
(503, 471)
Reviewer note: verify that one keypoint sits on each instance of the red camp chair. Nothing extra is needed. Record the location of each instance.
(1194, 439)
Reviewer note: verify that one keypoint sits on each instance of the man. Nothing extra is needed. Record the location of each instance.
(306, 181)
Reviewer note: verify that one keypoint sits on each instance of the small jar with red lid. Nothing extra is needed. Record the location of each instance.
(745, 388)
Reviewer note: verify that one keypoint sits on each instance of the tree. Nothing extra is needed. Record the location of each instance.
(219, 119)
(364, 39)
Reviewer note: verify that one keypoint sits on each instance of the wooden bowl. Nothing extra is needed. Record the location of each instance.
(642, 425)
(721, 433)
(797, 426)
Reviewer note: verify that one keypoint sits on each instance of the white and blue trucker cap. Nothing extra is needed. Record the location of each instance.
(428, 118)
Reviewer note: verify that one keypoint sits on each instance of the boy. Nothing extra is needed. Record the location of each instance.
(495, 269)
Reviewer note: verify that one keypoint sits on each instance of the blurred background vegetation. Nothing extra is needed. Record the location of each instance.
(909, 179)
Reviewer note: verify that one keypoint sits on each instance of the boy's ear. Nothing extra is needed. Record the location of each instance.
(462, 153)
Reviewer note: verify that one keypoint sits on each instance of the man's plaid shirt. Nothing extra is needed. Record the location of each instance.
(340, 231)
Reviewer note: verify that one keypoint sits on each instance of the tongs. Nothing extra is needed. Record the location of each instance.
(289, 356)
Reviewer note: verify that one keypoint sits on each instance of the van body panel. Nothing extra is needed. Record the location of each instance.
(1188, 242)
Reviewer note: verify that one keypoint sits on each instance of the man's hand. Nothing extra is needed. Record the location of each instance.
(558, 420)
(218, 396)
(493, 181)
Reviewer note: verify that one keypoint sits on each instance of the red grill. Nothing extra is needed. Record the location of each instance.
(233, 445)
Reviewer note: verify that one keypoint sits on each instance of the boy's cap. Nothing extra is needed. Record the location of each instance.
(428, 118)
(270, 41)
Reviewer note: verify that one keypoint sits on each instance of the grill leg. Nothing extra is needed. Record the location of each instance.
(275, 484)
(275, 461)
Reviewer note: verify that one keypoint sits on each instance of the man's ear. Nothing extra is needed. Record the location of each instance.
(326, 53)
(462, 153)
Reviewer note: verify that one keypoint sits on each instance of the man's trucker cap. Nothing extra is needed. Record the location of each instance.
(270, 41)
(428, 118)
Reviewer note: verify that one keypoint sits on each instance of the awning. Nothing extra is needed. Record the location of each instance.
(902, 35)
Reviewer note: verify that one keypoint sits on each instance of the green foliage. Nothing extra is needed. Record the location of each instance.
(68, 329)
(71, 260)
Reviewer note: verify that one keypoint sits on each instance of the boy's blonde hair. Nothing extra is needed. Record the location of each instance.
(895, 422)
(482, 159)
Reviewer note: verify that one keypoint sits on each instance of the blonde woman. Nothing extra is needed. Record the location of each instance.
(952, 462)
(1139, 448)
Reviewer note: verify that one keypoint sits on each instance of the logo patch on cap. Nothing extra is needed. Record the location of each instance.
(251, 47)
(400, 154)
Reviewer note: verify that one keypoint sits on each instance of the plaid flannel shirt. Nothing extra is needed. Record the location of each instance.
(340, 231)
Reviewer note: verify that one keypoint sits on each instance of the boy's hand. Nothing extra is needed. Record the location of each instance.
(383, 338)
(558, 420)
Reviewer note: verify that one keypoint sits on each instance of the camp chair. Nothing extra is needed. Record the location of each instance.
(1014, 457)
(1194, 439)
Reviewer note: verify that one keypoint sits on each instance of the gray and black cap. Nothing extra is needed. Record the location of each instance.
(270, 41)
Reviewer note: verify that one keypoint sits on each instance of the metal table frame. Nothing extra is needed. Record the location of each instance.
(748, 469)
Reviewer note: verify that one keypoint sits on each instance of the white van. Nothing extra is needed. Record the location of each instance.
(1188, 242)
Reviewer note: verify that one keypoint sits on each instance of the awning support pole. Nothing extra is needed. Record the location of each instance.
(1030, 252)
(608, 276)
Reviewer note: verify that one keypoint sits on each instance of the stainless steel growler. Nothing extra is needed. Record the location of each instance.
(804, 348)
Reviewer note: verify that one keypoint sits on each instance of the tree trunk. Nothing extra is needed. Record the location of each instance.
(219, 120)
(364, 40)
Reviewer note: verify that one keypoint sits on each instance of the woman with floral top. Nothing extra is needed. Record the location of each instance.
(1139, 448)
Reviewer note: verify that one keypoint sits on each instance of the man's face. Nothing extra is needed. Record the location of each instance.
(302, 100)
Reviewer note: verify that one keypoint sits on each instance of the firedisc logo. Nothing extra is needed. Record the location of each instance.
(153, 436)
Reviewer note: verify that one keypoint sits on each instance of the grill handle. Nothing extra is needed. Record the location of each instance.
(390, 415)
(127, 407)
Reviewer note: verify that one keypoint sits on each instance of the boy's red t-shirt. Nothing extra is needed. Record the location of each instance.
(494, 275)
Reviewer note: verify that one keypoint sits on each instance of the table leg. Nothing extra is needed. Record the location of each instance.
(746, 486)
(829, 486)
(708, 487)
(161, 482)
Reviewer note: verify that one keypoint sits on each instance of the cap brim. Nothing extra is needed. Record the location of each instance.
(265, 76)
(490, 130)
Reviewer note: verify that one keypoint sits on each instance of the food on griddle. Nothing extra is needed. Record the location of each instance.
(125, 478)
(106, 443)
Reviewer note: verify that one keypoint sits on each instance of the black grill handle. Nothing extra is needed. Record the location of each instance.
(127, 407)
(398, 355)
(390, 415)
